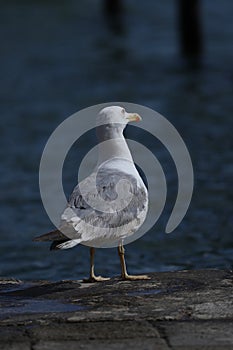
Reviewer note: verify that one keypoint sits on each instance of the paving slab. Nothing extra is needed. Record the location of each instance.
(172, 310)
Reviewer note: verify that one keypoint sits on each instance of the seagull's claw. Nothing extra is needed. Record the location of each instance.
(93, 279)
(135, 277)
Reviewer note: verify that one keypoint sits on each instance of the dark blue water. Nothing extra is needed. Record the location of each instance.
(57, 58)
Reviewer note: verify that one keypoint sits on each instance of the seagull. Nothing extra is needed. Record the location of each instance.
(109, 205)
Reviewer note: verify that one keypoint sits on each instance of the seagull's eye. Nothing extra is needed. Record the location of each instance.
(123, 111)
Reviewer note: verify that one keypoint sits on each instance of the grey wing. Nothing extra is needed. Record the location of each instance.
(105, 183)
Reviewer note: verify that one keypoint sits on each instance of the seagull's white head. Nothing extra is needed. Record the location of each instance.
(111, 122)
(116, 114)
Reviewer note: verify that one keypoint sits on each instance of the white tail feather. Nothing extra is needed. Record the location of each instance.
(68, 244)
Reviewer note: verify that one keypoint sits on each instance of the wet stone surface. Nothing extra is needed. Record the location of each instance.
(172, 310)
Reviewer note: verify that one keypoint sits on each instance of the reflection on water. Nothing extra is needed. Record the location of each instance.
(32, 306)
(57, 59)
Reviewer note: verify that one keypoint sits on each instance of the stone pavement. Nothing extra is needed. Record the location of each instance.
(172, 310)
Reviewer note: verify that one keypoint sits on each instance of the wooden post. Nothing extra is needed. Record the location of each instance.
(190, 27)
(113, 10)
(113, 7)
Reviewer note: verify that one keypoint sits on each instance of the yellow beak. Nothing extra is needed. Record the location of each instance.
(133, 117)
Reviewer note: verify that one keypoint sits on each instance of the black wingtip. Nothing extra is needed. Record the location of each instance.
(36, 239)
(55, 244)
